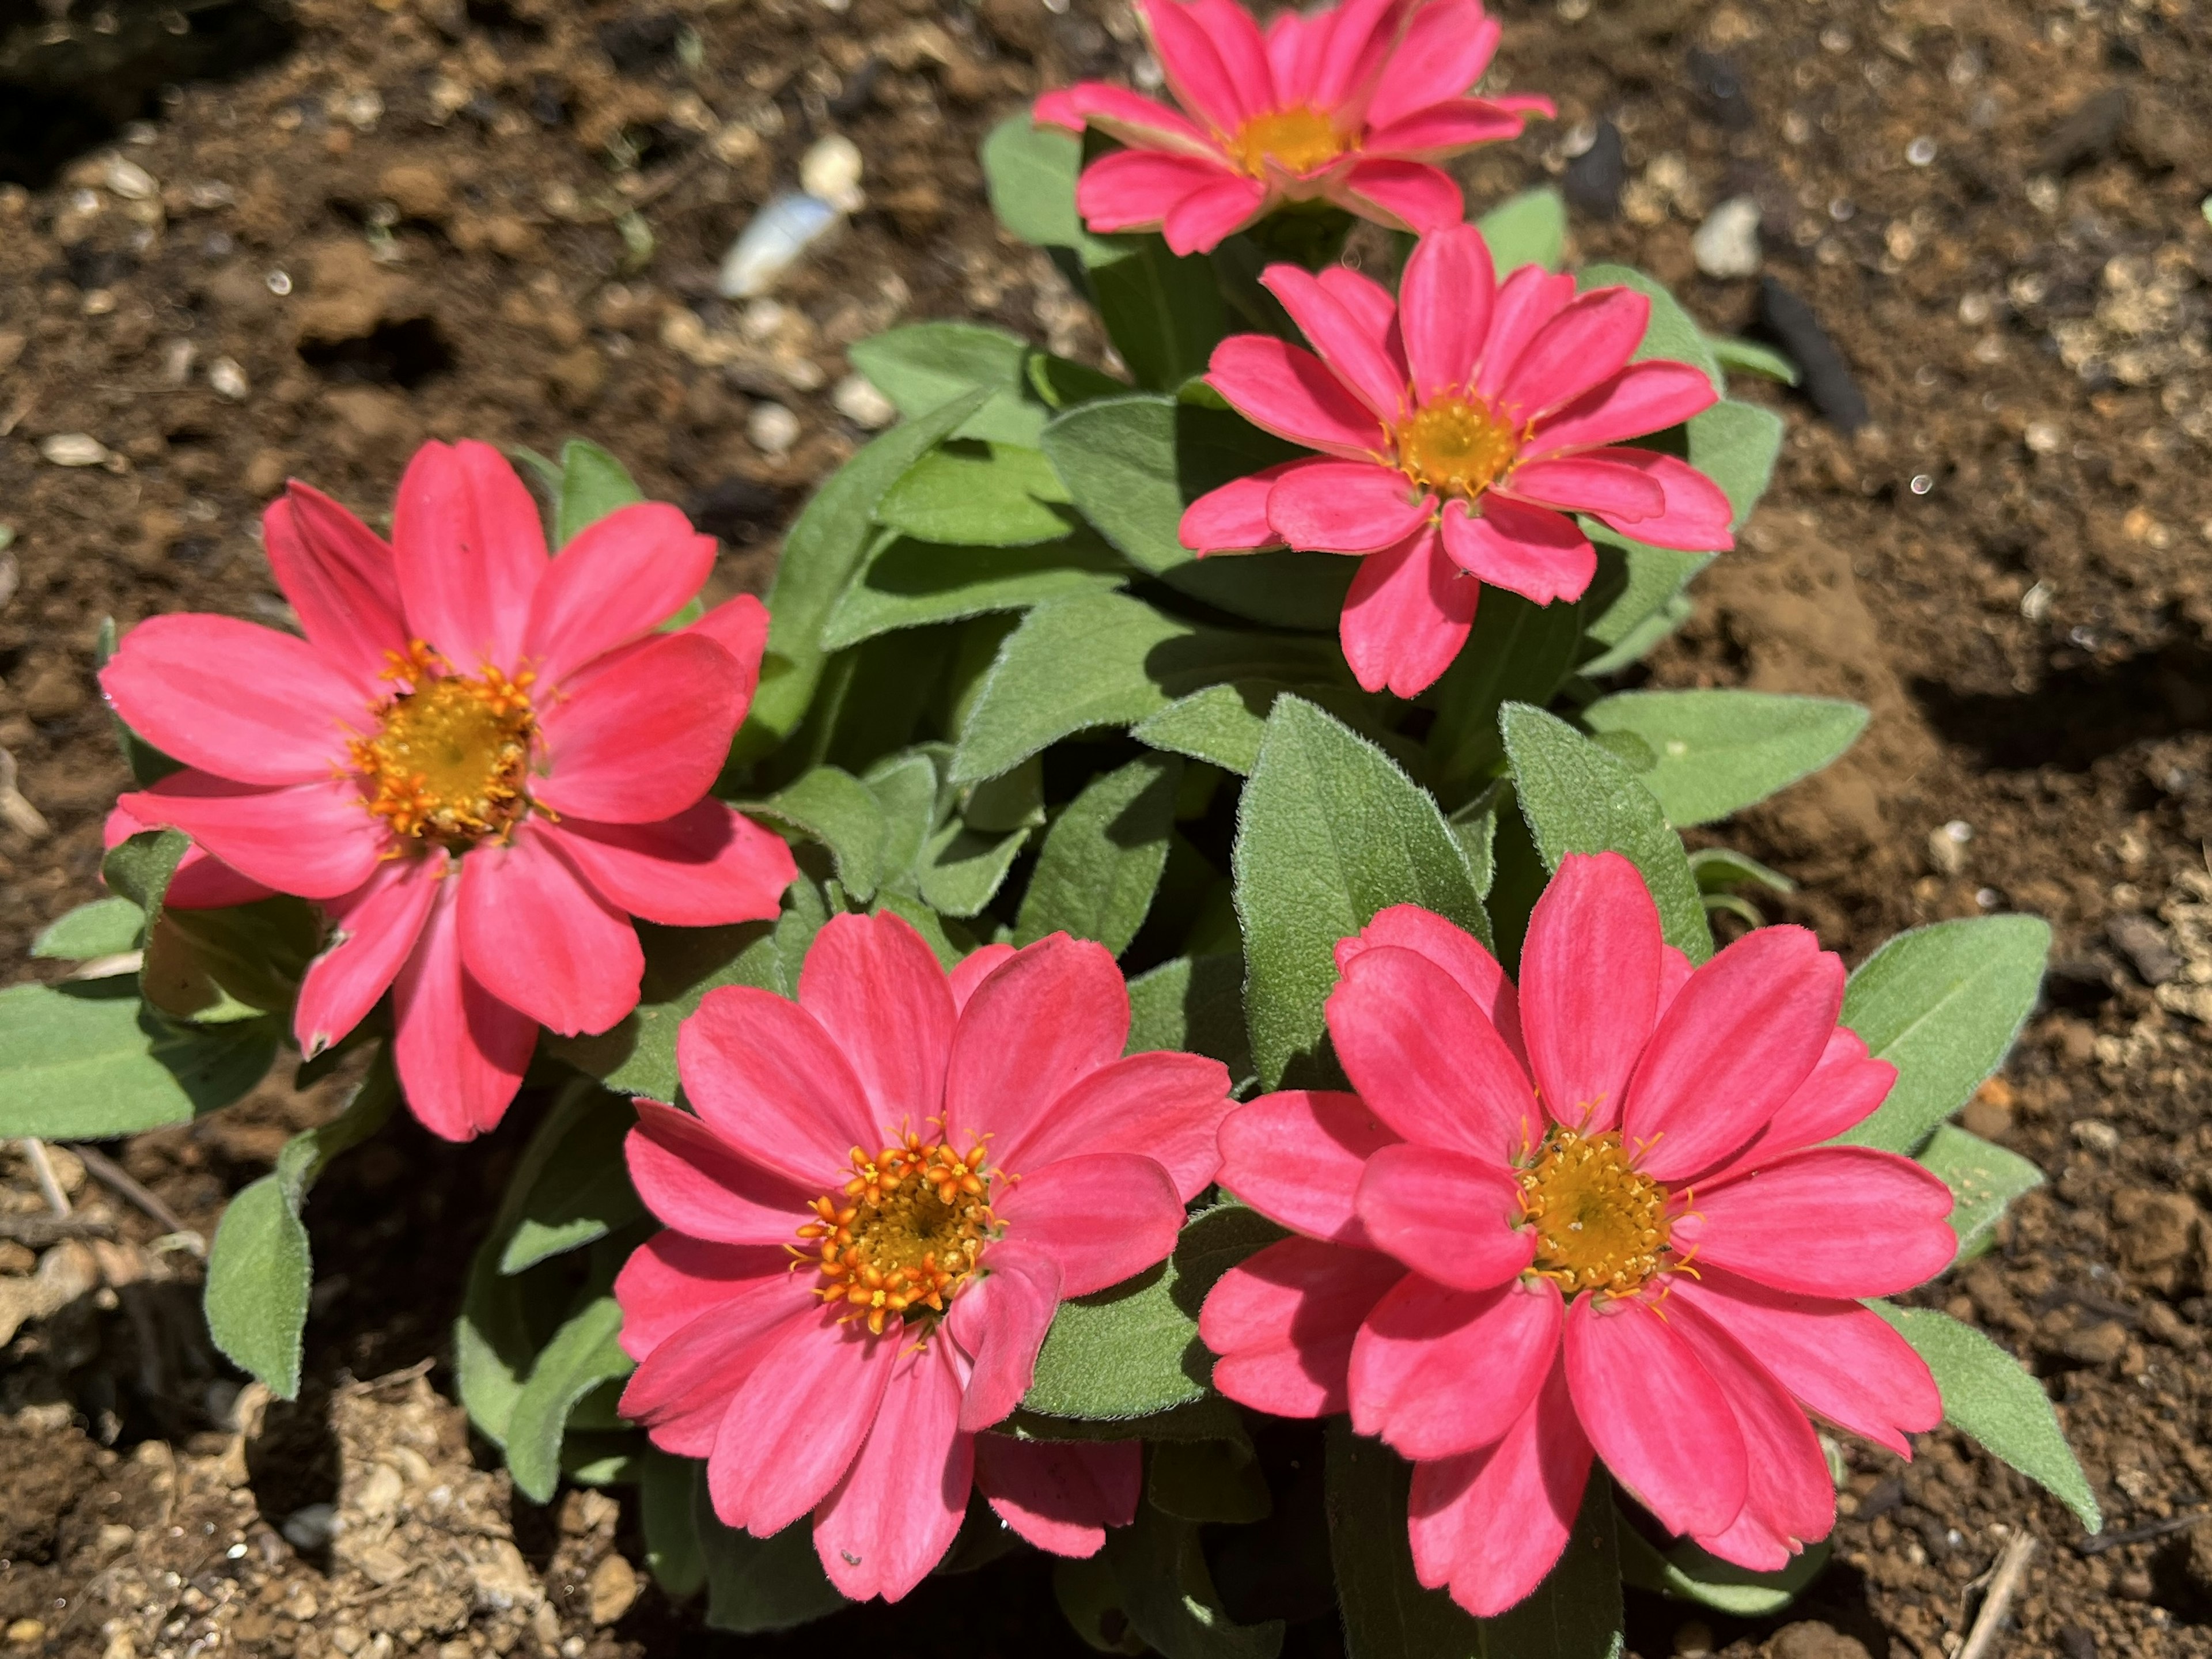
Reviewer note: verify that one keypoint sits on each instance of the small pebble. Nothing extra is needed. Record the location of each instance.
(128, 179)
(73, 449)
(2096, 1136)
(227, 379)
(776, 240)
(830, 172)
(1947, 847)
(310, 1527)
(856, 398)
(772, 429)
(1727, 244)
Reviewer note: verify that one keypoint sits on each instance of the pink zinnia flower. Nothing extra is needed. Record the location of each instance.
(482, 760)
(1460, 425)
(1590, 1216)
(890, 1186)
(1352, 104)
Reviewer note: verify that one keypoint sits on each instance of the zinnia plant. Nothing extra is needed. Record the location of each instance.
(1352, 104)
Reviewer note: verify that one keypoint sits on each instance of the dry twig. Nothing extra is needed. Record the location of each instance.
(2004, 1583)
(110, 1173)
(43, 1168)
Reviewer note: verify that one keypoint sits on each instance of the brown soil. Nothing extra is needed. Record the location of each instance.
(2008, 565)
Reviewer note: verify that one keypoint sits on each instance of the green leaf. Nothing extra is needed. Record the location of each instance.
(139, 868)
(1735, 445)
(1983, 1179)
(584, 1354)
(909, 584)
(1089, 1598)
(1063, 384)
(1721, 869)
(1030, 173)
(1690, 1574)
(1575, 1613)
(1636, 600)
(1218, 1480)
(148, 764)
(1752, 358)
(1162, 313)
(682, 964)
(835, 808)
(259, 1271)
(1670, 334)
(1329, 832)
(1223, 724)
(1013, 800)
(1576, 798)
(1942, 1004)
(673, 1551)
(1527, 229)
(983, 494)
(908, 789)
(1517, 651)
(593, 484)
(962, 869)
(578, 1191)
(84, 1060)
(212, 965)
(924, 366)
(105, 927)
(1133, 1350)
(1101, 862)
(1714, 752)
(755, 1585)
(1990, 1398)
(824, 548)
(1207, 1417)
(1193, 1005)
(1167, 1594)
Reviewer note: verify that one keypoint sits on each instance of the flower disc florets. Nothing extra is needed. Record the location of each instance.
(1600, 1225)
(904, 1231)
(1297, 141)
(451, 755)
(1457, 446)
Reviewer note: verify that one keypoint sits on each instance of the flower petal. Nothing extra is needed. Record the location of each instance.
(1592, 482)
(344, 586)
(1406, 615)
(1286, 390)
(1733, 1046)
(235, 699)
(1359, 42)
(469, 549)
(1586, 343)
(1844, 1221)
(1530, 297)
(1195, 74)
(1234, 517)
(1243, 53)
(1134, 119)
(1296, 46)
(1426, 1061)
(1646, 397)
(1402, 195)
(899, 1507)
(1443, 51)
(1444, 129)
(670, 1281)
(643, 737)
(1136, 189)
(540, 939)
(1845, 1087)
(1371, 306)
(1100, 1217)
(1048, 1017)
(1790, 1492)
(316, 839)
(1000, 1322)
(974, 967)
(1589, 988)
(1450, 1216)
(877, 991)
(699, 1183)
(1335, 331)
(771, 1463)
(1444, 300)
(201, 881)
(460, 1051)
(1345, 507)
(1655, 1415)
(1452, 949)
(1283, 1320)
(1532, 551)
(1437, 1371)
(618, 579)
(765, 1076)
(1296, 1157)
(1061, 1495)
(1697, 515)
(706, 867)
(681, 1390)
(1215, 211)
(1169, 1107)
(739, 626)
(377, 926)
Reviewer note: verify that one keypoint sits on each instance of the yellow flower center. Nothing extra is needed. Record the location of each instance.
(1456, 446)
(1296, 140)
(451, 755)
(903, 1233)
(1600, 1225)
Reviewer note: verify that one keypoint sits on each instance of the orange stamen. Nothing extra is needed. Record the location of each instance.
(913, 1224)
(1600, 1226)
(451, 755)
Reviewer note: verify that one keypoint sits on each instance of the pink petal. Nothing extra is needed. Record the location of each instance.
(1167, 1106)
(1531, 551)
(1437, 1372)
(1135, 189)
(1450, 1216)
(1735, 1044)
(1426, 1061)
(1526, 299)
(1452, 949)
(681, 1391)
(701, 1184)
(1444, 299)
(1296, 1157)
(461, 1052)
(1371, 306)
(1215, 211)
(1100, 1219)
(1790, 1492)
(772, 1463)
(617, 579)
(739, 626)
(1655, 1414)
(878, 993)
(1407, 613)
(539, 938)
(201, 882)
(1295, 44)
(234, 699)
(1289, 391)
(1061, 1495)
(1335, 332)
(1195, 74)
(1647, 396)
(1283, 1320)
(1588, 341)
(1843, 1087)
(1243, 52)
(1443, 51)
(703, 868)
(644, 736)
(316, 839)
(1589, 987)
(1234, 517)
(1136, 120)
(1346, 506)
(1592, 482)
(766, 1077)
(899, 1506)
(1357, 46)
(1402, 195)
(1696, 514)
(1490, 1525)
(671, 1280)
(1050, 1016)
(1846, 1221)
(974, 967)
(1000, 1322)
(1443, 130)
(1840, 1359)
(339, 576)
(377, 926)
(469, 550)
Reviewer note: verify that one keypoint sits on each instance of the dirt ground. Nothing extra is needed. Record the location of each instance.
(500, 218)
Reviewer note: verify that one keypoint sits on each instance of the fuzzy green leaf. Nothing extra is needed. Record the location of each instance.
(593, 484)
(1030, 173)
(1670, 333)
(1735, 445)
(85, 1060)
(1690, 1574)
(967, 493)
(910, 584)
(1223, 724)
(584, 1354)
(1162, 313)
(1167, 1592)
(1527, 229)
(579, 1191)
(1207, 1480)
(835, 808)
(1714, 752)
(962, 869)
(755, 1585)
(682, 964)
(1101, 862)
(1984, 1180)
(1636, 598)
(1517, 651)
(672, 1551)
(1752, 358)
(105, 927)
(1194, 1004)
(924, 366)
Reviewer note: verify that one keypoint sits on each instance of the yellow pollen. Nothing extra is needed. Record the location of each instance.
(1297, 141)
(903, 1233)
(1456, 446)
(1600, 1225)
(451, 754)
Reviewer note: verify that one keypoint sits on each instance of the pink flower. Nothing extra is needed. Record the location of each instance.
(1049, 1165)
(1494, 1271)
(1350, 105)
(1457, 431)
(200, 881)
(464, 706)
